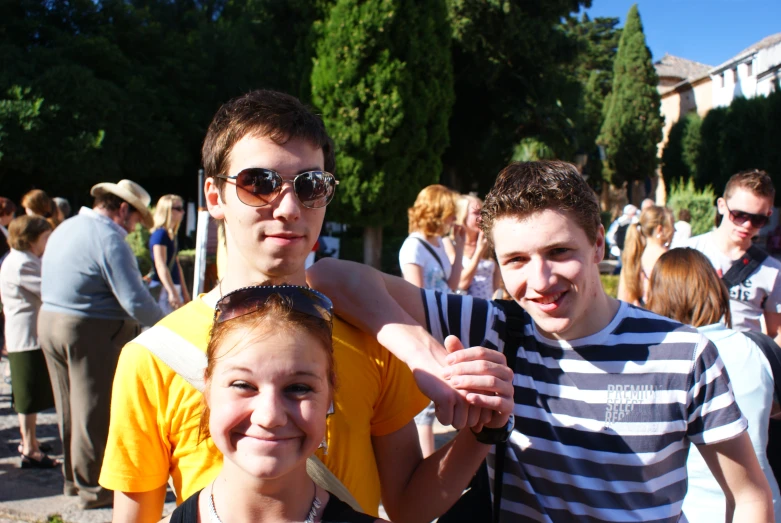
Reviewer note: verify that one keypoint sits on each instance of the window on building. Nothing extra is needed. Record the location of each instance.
(735, 75)
(749, 68)
(722, 79)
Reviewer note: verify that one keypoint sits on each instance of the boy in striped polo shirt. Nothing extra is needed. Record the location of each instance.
(608, 396)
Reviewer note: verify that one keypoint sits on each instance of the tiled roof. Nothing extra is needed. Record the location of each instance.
(677, 67)
(766, 42)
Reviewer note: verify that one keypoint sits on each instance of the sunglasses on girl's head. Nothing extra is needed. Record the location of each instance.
(258, 187)
(740, 217)
(249, 299)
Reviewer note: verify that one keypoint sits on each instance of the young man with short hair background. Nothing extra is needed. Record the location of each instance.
(258, 142)
(608, 397)
(745, 208)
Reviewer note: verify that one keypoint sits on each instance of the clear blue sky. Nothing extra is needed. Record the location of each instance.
(707, 31)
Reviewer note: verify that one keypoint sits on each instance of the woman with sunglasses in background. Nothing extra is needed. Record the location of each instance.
(645, 242)
(685, 287)
(269, 386)
(166, 277)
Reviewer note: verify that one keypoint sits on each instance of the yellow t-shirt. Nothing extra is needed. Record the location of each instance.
(155, 414)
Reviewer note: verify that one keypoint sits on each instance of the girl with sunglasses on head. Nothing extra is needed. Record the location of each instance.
(269, 386)
(166, 277)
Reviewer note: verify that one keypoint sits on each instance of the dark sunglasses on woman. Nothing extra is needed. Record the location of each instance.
(258, 187)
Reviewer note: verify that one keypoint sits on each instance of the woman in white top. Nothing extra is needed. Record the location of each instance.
(479, 277)
(645, 242)
(685, 287)
(20, 290)
(425, 262)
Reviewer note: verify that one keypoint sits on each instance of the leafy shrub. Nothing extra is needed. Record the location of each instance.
(700, 204)
(139, 243)
(532, 150)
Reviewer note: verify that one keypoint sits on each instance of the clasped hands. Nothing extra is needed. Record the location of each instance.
(470, 387)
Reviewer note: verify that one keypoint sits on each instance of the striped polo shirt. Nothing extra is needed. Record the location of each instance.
(602, 423)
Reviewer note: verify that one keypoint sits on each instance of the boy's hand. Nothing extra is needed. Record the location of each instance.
(483, 379)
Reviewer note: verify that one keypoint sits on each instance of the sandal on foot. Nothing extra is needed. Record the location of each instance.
(43, 447)
(44, 463)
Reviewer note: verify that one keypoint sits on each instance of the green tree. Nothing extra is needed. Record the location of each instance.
(532, 150)
(384, 83)
(592, 71)
(690, 143)
(673, 166)
(633, 124)
(681, 153)
(130, 86)
(699, 202)
(710, 170)
(509, 59)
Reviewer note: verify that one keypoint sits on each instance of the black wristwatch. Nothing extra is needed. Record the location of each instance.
(494, 436)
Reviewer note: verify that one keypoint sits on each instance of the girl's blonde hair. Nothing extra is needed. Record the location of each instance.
(462, 206)
(634, 245)
(41, 205)
(163, 213)
(434, 205)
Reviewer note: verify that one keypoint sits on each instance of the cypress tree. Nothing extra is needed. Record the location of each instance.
(383, 81)
(633, 123)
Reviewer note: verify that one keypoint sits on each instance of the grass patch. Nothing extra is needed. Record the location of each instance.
(54, 518)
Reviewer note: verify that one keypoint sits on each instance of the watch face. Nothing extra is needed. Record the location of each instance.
(494, 436)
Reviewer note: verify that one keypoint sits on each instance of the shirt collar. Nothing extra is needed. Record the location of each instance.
(89, 213)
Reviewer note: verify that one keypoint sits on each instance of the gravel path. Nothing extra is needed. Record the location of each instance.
(30, 495)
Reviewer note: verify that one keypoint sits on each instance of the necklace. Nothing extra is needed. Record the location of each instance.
(310, 518)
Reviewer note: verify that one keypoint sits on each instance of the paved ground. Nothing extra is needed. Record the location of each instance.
(30, 495)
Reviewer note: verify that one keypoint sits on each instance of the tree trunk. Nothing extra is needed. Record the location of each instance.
(372, 246)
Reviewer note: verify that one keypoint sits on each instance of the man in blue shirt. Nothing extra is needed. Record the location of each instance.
(93, 302)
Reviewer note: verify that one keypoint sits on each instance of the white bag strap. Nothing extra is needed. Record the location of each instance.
(184, 358)
(189, 362)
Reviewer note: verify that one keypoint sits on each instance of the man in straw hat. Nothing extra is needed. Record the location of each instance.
(93, 302)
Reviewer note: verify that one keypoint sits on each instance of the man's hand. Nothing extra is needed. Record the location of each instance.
(459, 407)
(481, 376)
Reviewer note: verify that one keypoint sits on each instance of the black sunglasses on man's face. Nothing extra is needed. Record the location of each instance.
(740, 217)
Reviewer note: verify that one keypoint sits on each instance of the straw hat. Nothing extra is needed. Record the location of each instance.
(132, 193)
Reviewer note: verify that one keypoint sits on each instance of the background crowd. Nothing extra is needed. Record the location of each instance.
(279, 366)
(90, 299)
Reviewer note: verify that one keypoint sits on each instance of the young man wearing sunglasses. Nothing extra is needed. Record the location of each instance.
(268, 159)
(745, 209)
(608, 397)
